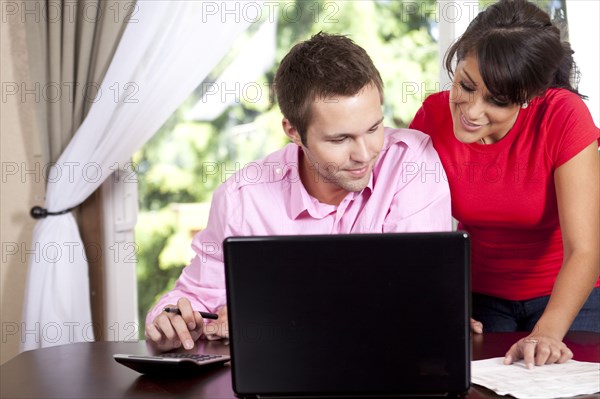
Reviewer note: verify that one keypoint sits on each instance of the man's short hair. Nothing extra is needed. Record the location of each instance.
(323, 66)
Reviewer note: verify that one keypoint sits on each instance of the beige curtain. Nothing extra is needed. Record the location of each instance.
(71, 44)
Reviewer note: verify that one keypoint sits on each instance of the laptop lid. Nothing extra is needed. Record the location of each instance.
(349, 315)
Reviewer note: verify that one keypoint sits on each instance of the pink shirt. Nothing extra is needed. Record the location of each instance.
(407, 192)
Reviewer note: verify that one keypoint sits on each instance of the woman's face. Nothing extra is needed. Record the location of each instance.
(477, 115)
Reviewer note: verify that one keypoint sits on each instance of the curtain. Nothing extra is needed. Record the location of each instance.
(71, 45)
(166, 50)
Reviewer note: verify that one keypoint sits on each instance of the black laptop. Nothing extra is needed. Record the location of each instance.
(362, 315)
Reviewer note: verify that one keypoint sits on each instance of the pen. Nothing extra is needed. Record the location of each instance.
(205, 315)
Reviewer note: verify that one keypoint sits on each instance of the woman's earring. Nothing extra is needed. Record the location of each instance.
(525, 105)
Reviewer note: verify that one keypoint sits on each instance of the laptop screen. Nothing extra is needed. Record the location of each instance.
(355, 315)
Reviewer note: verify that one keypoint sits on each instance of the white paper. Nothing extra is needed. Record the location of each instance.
(549, 381)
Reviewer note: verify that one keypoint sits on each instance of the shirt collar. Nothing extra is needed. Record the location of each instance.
(301, 201)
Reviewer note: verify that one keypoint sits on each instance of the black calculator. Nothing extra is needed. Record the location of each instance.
(169, 363)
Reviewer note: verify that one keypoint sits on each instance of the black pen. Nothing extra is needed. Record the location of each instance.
(205, 315)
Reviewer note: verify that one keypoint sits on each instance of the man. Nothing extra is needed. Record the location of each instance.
(343, 173)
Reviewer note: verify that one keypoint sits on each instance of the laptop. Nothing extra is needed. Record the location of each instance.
(361, 315)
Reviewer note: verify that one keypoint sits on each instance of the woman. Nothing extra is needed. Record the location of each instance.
(520, 151)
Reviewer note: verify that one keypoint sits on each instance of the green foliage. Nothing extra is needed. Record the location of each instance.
(152, 233)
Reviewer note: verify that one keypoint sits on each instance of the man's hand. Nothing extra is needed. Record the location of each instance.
(476, 326)
(169, 330)
(219, 328)
(539, 350)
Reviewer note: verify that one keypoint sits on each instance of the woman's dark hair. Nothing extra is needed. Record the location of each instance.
(519, 50)
(323, 66)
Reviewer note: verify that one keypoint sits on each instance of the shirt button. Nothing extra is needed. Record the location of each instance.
(278, 171)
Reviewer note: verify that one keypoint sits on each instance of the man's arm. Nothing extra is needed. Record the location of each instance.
(200, 287)
(422, 199)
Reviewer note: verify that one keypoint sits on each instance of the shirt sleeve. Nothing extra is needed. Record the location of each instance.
(433, 115)
(422, 202)
(418, 122)
(570, 127)
(203, 280)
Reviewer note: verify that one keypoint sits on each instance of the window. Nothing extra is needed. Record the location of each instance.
(232, 117)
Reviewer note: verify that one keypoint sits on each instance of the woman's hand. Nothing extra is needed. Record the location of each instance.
(537, 349)
(476, 326)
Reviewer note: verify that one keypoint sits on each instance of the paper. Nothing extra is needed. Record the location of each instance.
(548, 381)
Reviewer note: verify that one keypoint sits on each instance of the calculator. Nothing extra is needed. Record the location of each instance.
(169, 363)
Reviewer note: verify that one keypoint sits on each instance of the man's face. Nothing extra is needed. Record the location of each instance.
(343, 142)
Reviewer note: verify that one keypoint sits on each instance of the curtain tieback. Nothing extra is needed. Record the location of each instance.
(37, 212)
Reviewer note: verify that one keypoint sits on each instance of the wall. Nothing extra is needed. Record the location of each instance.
(584, 35)
(20, 190)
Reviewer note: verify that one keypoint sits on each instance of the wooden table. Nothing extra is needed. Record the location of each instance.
(87, 370)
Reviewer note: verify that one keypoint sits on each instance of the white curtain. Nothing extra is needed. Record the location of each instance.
(166, 51)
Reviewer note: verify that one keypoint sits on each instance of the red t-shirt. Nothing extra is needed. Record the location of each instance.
(503, 194)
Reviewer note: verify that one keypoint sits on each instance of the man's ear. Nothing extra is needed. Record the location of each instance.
(291, 132)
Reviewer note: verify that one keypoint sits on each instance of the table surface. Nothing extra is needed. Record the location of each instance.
(87, 370)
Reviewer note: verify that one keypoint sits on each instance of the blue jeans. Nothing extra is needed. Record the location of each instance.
(498, 314)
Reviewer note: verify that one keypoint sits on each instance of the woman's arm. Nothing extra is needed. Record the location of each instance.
(577, 184)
